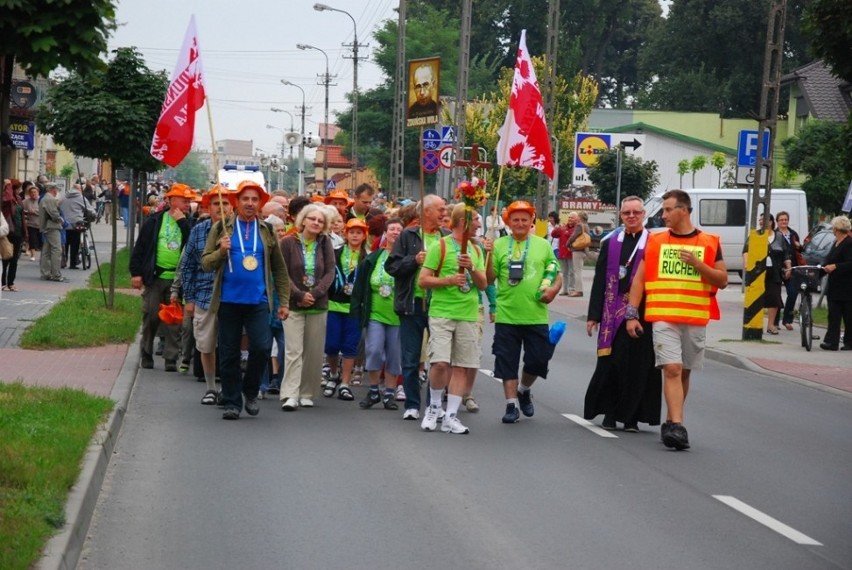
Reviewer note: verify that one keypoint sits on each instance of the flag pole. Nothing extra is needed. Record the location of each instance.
(500, 156)
(215, 156)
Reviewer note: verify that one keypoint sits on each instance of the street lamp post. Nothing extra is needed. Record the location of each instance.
(326, 81)
(302, 143)
(321, 8)
(283, 144)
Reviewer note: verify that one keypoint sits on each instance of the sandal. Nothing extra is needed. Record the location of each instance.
(330, 388)
(772, 331)
(209, 398)
(12, 288)
(345, 393)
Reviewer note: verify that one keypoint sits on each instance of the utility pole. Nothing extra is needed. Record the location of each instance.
(397, 173)
(755, 270)
(549, 96)
(461, 97)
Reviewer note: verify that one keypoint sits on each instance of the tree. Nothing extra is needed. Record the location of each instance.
(728, 38)
(698, 162)
(108, 114)
(637, 177)
(191, 171)
(682, 168)
(718, 162)
(828, 25)
(818, 153)
(40, 35)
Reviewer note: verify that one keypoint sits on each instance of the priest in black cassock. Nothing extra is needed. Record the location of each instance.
(626, 386)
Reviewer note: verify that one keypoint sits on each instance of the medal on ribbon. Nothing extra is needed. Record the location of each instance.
(250, 263)
(173, 245)
(622, 271)
(309, 281)
(385, 290)
(347, 289)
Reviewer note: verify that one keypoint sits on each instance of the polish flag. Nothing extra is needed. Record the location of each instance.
(524, 139)
(185, 96)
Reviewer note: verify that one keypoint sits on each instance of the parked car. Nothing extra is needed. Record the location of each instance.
(817, 245)
(814, 230)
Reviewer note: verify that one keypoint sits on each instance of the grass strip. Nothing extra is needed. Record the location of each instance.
(122, 270)
(81, 320)
(44, 433)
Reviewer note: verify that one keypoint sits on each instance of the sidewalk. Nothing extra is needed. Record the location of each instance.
(781, 355)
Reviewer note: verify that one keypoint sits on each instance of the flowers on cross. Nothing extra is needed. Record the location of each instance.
(472, 192)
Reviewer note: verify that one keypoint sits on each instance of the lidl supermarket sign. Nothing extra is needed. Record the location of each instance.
(589, 146)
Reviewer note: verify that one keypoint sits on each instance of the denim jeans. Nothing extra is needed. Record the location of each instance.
(411, 329)
(790, 303)
(233, 317)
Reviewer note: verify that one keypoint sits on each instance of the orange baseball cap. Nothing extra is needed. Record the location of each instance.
(179, 190)
(214, 193)
(356, 223)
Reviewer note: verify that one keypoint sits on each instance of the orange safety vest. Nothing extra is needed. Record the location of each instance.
(675, 291)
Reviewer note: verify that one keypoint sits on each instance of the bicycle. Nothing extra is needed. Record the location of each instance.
(85, 255)
(809, 281)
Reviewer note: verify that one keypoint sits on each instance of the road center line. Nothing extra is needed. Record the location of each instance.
(767, 520)
(589, 426)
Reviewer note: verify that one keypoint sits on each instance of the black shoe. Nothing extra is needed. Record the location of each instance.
(274, 390)
(664, 429)
(525, 399)
(231, 414)
(371, 399)
(389, 400)
(676, 437)
(147, 361)
(826, 346)
(252, 408)
(171, 366)
(512, 415)
(844, 347)
(608, 422)
(632, 427)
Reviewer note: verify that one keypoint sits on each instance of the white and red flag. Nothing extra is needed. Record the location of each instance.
(185, 96)
(524, 139)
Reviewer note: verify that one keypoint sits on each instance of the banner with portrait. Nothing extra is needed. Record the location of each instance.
(424, 80)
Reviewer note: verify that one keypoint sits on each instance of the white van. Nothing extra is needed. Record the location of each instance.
(231, 175)
(726, 212)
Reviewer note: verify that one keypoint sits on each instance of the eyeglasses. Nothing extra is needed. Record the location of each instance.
(633, 213)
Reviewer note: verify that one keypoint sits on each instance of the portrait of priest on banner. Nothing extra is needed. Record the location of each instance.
(423, 92)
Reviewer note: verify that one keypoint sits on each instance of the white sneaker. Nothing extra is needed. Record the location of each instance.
(430, 420)
(400, 393)
(290, 404)
(306, 402)
(453, 425)
(411, 414)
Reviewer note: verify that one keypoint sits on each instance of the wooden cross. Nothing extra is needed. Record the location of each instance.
(473, 164)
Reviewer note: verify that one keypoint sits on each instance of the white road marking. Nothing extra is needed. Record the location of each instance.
(589, 426)
(490, 374)
(767, 520)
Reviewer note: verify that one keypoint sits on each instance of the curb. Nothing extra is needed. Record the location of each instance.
(62, 551)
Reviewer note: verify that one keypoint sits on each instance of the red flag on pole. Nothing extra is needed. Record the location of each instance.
(524, 138)
(176, 126)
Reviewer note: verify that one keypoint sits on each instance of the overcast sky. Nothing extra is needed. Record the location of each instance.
(248, 46)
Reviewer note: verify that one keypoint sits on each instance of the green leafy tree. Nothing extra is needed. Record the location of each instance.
(682, 169)
(817, 152)
(828, 26)
(193, 172)
(108, 114)
(637, 177)
(708, 55)
(718, 161)
(41, 35)
(698, 162)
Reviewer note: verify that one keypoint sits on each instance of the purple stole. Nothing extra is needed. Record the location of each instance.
(615, 305)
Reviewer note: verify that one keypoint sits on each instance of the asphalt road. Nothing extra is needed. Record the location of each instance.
(339, 487)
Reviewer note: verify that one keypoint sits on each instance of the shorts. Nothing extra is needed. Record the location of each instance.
(342, 334)
(676, 343)
(205, 328)
(382, 348)
(456, 342)
(508, 340)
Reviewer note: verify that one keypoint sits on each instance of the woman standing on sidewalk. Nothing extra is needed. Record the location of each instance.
(578, 255)
(14, 214)
(794, 244)
(838, 265)
(31, 208)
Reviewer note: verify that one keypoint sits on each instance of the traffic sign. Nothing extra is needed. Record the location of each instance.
(447, 156)
(589, 146)
(431, 139)
(747, 147)
(330, 185)
(745, 175)
(430, 161)
(448, 135)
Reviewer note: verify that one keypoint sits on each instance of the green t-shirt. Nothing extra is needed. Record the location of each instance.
(451, 302)
(381, 308)
(428, 241)
(517, 305)
(168, 246)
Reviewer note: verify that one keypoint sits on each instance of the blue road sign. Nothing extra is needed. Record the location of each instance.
(747, 148)
(330, 185)
(448, 135)
(431, 139)
(430, 161)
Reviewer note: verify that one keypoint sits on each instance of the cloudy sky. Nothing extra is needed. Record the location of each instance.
(247, 47)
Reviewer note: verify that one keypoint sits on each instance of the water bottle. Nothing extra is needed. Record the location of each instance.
(549, 276)
(556, 332)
